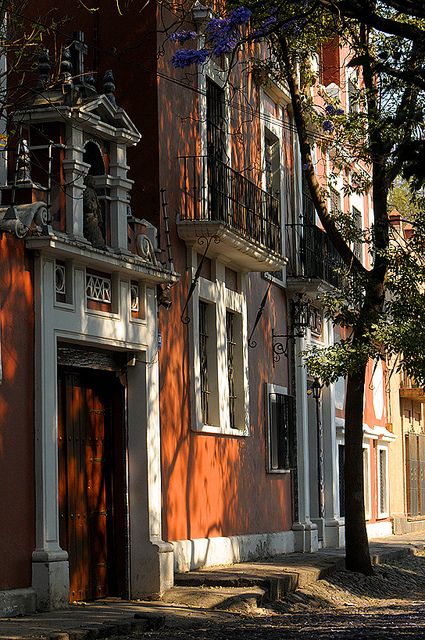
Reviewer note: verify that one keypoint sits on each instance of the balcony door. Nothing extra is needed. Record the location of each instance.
(216, 153)
(91, 482)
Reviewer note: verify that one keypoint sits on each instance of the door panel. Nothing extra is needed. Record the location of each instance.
(86, 470)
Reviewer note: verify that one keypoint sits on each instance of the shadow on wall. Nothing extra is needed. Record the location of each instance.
(17, 540)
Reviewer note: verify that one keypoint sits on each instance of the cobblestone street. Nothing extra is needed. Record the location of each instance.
(389, 604)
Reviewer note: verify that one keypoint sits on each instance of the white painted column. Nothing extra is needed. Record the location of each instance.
(151, 559)
(75, 171)
(305, 531)
(120, 196)
(332, 537)
(50, 573)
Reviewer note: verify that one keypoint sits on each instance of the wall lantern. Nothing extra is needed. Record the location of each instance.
(316, 388)
(300, 320)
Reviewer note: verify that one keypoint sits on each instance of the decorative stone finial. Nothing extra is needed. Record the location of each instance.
(109, 86)
(91, 81)
(78, 50)
(23, 173)
(66, 66)
(44, 68)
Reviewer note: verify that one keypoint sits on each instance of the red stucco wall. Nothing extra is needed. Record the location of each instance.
(16, 415)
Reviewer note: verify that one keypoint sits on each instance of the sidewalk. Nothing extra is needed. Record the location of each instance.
(199, 595)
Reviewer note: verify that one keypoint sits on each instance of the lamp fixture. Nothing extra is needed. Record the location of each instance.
(316, 388)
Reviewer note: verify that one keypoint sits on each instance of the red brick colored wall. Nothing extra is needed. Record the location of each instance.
(17, 533)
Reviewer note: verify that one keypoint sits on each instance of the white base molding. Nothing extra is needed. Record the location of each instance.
(207, 552)
(306, 537)
(17, 602)
(151, 569)
(379, 529)
(50, 579)
(402, 524)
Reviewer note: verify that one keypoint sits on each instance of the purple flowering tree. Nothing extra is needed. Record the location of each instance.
(378, 138)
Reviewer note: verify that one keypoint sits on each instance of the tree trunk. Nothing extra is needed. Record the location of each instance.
(357, 556)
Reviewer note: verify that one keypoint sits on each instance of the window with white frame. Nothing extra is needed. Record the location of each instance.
(358, 224)
(353, 93)
(277, 182)
(272, 164)
(281, 429)
(219, 350)
(382, 459)
(366, 480)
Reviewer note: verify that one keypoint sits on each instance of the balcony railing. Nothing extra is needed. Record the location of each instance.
(409, 388)
(213, 191)
(316, 258)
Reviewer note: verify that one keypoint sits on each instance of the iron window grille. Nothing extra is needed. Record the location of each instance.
(60, 279)
(231, 346)
(98, 288)
(203, 357)
(357, 244)
(382, 489)
(134, 294)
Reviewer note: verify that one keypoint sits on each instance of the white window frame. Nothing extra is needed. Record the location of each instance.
(367, 484)
(357, 202)
(215, 293)
(275, 127)
(271, 389)
(217, 75)
(382, 448)
(351, 76)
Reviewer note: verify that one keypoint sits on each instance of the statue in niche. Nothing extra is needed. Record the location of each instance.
(92, 211)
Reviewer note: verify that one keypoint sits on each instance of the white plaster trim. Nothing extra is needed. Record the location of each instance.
(379, 529)
(207, 552)
(339, 423)
(384, 434)
(369, 432)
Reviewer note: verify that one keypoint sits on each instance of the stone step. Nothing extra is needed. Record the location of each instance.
(226, 598)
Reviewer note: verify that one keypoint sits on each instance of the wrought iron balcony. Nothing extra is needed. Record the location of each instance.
(312, 255)
(245, 220)
(410, 389)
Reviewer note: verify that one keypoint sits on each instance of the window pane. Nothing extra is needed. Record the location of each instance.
(203, 356)
(231, 344)
(281, 430)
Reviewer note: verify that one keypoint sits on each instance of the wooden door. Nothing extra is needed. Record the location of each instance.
(89, 431)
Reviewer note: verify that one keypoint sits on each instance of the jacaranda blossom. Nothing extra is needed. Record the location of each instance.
(186, 57)
(183, 36)
(327, 125)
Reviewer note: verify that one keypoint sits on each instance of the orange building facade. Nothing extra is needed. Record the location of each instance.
(152, 325)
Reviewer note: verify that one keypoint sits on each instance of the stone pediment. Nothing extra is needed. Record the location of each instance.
(100, 111)
(98, 116)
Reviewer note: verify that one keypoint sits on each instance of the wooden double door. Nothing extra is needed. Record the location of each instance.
(92, 506)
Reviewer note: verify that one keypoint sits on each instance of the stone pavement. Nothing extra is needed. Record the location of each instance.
(200, 597)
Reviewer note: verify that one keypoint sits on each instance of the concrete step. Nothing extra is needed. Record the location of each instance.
(277, 581)
(226, 598)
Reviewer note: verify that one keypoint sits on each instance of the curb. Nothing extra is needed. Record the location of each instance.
(142, 622)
